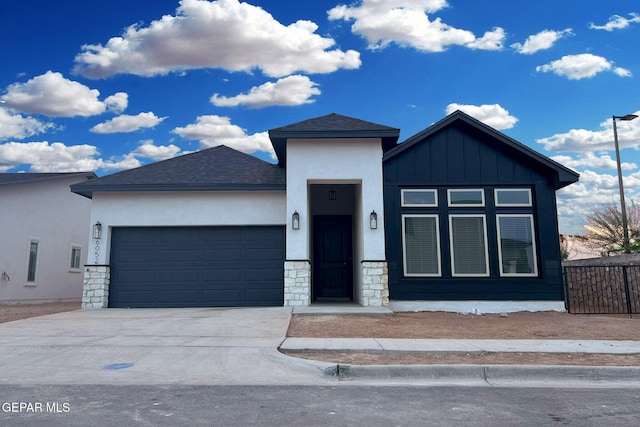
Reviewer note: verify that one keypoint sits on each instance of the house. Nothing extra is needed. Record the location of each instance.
(459, 212)
(44, 237)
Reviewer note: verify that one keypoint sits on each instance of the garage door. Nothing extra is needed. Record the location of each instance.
(197, 266)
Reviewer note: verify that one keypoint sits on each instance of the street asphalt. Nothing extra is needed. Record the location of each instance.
(238, 346)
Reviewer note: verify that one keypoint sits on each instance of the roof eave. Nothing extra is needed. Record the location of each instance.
(87, 191)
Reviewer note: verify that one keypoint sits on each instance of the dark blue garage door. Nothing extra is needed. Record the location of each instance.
(196, 266)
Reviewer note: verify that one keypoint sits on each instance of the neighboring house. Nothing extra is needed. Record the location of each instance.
(459, 212)
(44, 237)
(578, 247)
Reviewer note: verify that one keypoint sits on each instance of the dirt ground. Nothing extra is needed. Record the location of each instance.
(523, 325)
(544, 325)
(9, 313)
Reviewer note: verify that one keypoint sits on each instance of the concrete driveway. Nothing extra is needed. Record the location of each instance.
(153, 346)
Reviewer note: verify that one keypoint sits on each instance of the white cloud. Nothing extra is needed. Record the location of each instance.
(50, 94)
(491, 114)
(541, 41)
(213, 130)
(616, 22)
(622, 72)
(576, 67)
(156, 152)
(590, 160)
(406, 23)
(220, 34)
(19, 127)
(117, 103)
(288, 91)
(582, 140)
(58, 157)
(127, 123)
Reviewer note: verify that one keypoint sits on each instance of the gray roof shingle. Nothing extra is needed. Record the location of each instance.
(331, 126)
(214, 169)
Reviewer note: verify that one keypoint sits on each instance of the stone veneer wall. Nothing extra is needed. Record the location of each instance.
(95, 292)
(375, 284)
(297, 283)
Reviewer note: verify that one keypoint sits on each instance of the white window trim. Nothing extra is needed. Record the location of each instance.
(533, 246)
(512, 205)
(486, 245)
(454, 190)
(419, 205)
(79, 268)
(404, 246)
(29, 242)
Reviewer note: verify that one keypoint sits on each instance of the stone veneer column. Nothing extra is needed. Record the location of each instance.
(95, 291)
(297, 283)
(375, 284)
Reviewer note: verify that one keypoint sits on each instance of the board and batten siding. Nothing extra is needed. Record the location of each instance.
(461, 156)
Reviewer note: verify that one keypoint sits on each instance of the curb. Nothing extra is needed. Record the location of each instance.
(628, 375)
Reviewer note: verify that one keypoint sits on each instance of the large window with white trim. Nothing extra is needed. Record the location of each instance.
(421, 245)
(468, 240)
(516, 245)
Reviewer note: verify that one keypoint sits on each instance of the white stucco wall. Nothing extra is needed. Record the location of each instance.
(181, 209)
(339, 161)
(49, 213)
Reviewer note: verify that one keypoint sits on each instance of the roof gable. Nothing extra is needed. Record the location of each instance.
(215, 169)
(331, 126)
(563, 175)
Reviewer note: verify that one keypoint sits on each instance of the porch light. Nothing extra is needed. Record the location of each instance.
(295, 221)
(97, 230)
(332, 193)
(373, 220)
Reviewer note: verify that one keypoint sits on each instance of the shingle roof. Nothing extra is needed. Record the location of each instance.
(18, 178)
(218, 168)
(331, 126)
(334, 123)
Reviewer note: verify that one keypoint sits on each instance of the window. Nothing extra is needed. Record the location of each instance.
(421, 244)
(513, 197)
(516, 245)
(466, 198)
(468, 237)
(76, 253)
(419, 198)
(33, 258)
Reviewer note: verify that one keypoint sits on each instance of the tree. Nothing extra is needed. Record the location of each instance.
(605, 232)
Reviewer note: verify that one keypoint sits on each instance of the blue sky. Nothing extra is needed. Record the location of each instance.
(107, 86)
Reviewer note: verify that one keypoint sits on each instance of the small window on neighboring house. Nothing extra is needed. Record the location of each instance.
(33, 260)
(466, 198)
(513, 197)
(76, 253)
(469, 252)
(419, 198)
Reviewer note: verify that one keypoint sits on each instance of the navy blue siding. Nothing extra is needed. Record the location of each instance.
(460, 156)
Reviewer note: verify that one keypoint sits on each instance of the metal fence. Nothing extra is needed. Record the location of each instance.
(602, 289)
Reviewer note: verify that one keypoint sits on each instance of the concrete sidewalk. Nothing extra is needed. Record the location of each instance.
(373, 345)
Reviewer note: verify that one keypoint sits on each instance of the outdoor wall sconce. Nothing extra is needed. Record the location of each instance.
(97, 230)
(295, 221)
(373, 220)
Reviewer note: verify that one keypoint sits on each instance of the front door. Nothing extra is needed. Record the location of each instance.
(332, 258)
